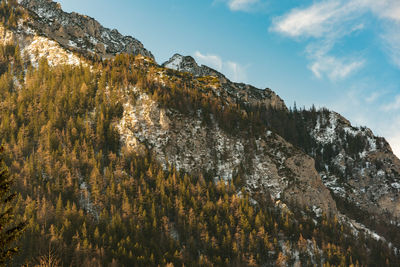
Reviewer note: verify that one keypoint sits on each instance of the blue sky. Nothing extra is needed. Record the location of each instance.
(344, 55)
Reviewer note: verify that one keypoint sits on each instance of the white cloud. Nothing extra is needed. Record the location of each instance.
(328, 22)
(313, 21)
(392, 134)
(361, 113)
(210, 60)
(233, 70)
(241, 5)
(325, 65)
(394, 142)
(389, 11)
(334, 68)
(391, 41)
(395, 105)
(386, 9)
(325, 17)
(372, 97)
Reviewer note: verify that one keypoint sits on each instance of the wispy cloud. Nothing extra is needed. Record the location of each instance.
(327, 17)
(239, 5)
(391, 132)
(242, 5)
(231, 69)
(391, 44)
(323, 64)
(395, 105)
(236, 71)
(355, 104)
(313, 21)
(334, 68)
(386, 9)
(328, 22)
(372, 97)
(210, 60)
(394, 141)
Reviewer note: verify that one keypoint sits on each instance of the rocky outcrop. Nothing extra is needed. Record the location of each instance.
(269, 164)
(34, 47)
(359, 166)
(188, 64)
(78, 32)
(353, 163)
(230, 90)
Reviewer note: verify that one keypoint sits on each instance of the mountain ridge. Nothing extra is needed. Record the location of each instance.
(80, 33)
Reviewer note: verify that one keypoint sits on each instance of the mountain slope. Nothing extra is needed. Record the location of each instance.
(359, 165)
(108, 153)
(354, 164)
(201, 139)
(79, 33)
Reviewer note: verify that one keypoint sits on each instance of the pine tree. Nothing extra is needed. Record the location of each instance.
(9, 230)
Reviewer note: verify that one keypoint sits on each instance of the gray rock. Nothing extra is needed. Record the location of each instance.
(80, 33)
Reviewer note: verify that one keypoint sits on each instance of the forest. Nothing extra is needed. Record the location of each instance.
(87, 200)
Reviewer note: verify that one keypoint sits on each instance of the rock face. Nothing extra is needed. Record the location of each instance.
(78, 32)
(34, 47)
(360, 167)
(353, 163)
(188, 64)
(269, 164)
(244, 92)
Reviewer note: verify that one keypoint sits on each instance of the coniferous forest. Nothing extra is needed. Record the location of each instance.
(86, 200)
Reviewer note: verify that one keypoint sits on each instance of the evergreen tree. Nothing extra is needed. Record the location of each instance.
(9, 229)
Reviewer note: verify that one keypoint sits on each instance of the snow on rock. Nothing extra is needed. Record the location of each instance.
(368, 177)
(175, 62)
(41, 47)
(326, 134)
(86, 33)
(37, 47)
(359, 227)
(396, 185)
(177, 140)
(188, 144)
(326, 131)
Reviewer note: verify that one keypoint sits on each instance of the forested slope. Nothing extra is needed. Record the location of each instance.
(89, 198)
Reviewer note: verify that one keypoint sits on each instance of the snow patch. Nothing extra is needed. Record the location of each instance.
(396, 185)
(72, 43)
(325, 135)
(175, 62)
(42, 47)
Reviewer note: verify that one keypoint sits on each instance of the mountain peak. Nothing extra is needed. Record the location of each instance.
(80, 33)
(181, 63)
(188, 64)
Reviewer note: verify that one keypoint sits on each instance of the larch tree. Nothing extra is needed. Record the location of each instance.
(10, 230)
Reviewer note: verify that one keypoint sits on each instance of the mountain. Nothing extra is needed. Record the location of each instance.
(188, 64)
(121, 161)
(79, 33)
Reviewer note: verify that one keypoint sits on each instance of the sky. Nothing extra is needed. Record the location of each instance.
(343, 55)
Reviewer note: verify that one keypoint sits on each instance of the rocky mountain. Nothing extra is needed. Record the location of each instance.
(94, 126)
(230, 90)
(353, 163)
(188, 64)
(269, 164)
(357, 165)
(79, 33)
